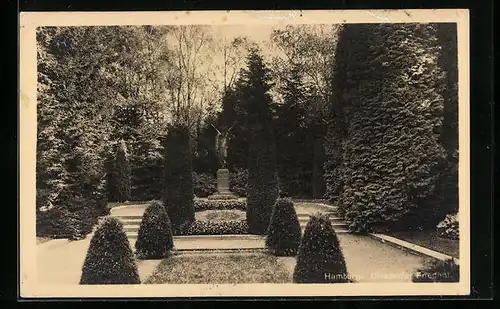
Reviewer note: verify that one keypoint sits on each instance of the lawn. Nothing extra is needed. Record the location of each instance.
(430, 240)
(220, 269)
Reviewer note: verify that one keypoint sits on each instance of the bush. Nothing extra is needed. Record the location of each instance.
(58, 222)
(109, 259)
(438, 271)
(154, 239)
(262, 182)
(204, 184)
(283, 235)
(178, 184)
(200, 205)
(215, 228)
(320, 258)
(122, 173)
(448, 228)
(238, 182)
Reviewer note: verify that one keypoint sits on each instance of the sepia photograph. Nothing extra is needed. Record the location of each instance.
(267, 153)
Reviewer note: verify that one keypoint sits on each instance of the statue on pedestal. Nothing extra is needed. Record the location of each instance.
(221, 146)
(223, 191)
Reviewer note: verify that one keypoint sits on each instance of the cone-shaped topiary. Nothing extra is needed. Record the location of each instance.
(283, 235)
(122, 173)
(178, 195)
(109, 259)
(320, 258)
(154, 239)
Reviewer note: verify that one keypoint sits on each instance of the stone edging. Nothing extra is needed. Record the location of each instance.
(412, 247)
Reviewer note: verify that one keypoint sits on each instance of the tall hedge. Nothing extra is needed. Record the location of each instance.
(122, 173)
(178, 195)
(109, 259)
(262, 189)
(320, 258)
(389, 99)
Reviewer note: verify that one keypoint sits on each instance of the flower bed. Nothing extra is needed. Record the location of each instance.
(217, 222)
(205, 204)
(215, 228)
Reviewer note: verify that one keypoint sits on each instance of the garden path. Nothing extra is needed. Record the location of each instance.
(368, 260)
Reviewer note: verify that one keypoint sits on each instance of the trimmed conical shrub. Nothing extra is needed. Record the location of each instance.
(320, 258)
(178, 197)
(109, 259)
(154, 239)
(262, 190)
(122, 173)
(283, 235)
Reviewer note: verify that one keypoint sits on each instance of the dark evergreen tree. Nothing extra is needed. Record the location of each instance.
(284, 233)
(109, 259)
(389, 112)
(446, 193)
(255, 105)
(294, 143)
(154, 239)
(122, 173)
(178, 195)
(320, 258)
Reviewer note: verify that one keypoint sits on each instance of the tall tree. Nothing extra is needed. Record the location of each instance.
(178, 182)
(255, 105)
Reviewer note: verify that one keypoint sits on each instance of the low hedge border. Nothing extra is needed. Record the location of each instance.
(201, 204)
(214, 228)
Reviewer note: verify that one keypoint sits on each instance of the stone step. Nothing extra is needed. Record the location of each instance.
(131, 227)
(131, 221)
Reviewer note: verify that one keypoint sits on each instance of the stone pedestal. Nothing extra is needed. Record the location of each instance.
(223, 186)
(223, 181)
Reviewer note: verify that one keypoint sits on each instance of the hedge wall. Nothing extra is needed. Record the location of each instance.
(178, 195)
(385, 161)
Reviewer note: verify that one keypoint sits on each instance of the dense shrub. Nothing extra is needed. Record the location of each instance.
(122, 173)
(109, 259)
(154, 239)
(385, 148)
(284, 233)
(178, 183)
(438, 271)
(320, 258)
(202, 204)
(448, 228)
(238, 182)
(204, 184)
(58, 223)
(215, 228)
(262, 187)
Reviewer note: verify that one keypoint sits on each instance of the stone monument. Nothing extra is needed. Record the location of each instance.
(222, 173)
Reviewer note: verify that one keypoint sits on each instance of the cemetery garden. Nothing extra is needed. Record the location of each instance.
(336, 163)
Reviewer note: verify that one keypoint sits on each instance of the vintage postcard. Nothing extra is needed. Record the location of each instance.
(244, 153)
